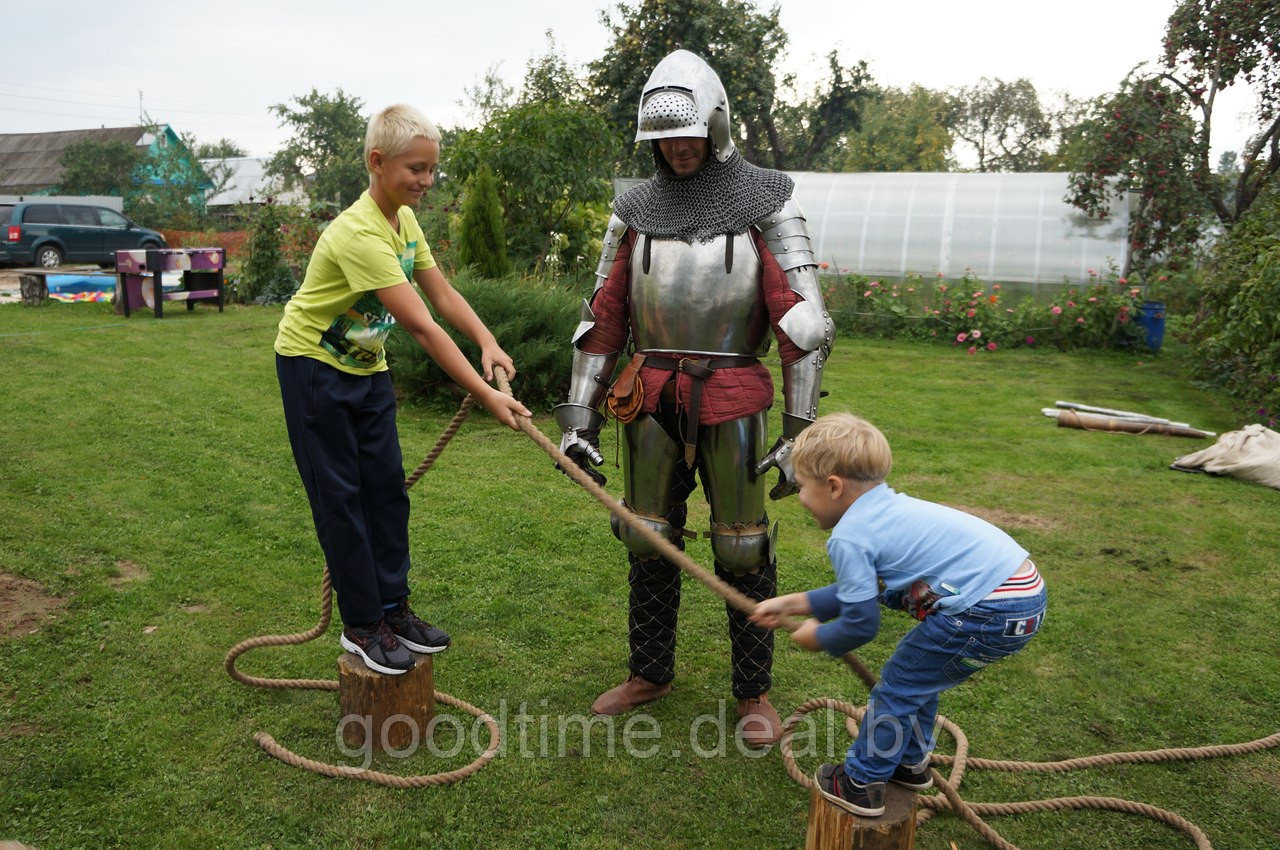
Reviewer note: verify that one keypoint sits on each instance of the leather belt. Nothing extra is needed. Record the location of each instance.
(699, 369)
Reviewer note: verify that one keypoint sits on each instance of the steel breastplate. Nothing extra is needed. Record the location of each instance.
(686, 302)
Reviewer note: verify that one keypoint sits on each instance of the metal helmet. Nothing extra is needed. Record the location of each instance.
(684, 97)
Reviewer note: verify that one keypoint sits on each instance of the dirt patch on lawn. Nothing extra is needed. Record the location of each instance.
(126, 572)
(1006, 519)
(24, 606)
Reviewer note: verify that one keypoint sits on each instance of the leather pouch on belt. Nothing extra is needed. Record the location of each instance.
(626, 396)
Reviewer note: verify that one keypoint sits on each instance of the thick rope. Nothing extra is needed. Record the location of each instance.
(950, 798)
(326, 614)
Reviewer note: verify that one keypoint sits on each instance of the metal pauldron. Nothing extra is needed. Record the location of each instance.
(613, 236)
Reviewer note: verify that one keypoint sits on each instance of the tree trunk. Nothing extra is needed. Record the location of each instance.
(384, 712)
(832, 828)
(34, 290)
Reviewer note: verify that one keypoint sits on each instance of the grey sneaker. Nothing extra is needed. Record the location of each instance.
(415, 633)
(378, 647)
(839, 790)
(917, 777)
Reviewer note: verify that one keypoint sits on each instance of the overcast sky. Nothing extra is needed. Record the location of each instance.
(213, 69)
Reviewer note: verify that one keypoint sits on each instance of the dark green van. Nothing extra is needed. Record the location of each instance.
(48, 234)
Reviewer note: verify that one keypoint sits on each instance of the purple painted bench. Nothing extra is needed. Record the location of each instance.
(140, 277)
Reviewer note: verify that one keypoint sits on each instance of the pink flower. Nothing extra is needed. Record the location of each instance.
(1133, 293)
(991, 346)
(874, 283)
(1080, 320)
(995, 286)
(844, 271)
(1122, 281)
(937, 312)
(1055, 310)
(939, 274)
(970, 313)
(975, 334)
(942, 287)
(1092, 273)
(1162, 278)
(1092, 300)
(973, 349)
(961, 337)
(1031, 340)
(823, 265)
(911, 289)
(977, 295)
(1071, 303)
(867, 294)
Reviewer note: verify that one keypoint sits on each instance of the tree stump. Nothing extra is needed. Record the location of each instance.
(832, 828)
(34, 290)
(385, 712)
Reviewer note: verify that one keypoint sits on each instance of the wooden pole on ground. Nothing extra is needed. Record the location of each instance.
(832, 828)
(385, 712)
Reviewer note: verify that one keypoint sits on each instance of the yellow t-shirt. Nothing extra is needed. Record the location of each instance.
(335, 316)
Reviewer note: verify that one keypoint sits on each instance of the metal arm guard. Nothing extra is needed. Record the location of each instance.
(591, 372)
(587, 386)
(807, 323)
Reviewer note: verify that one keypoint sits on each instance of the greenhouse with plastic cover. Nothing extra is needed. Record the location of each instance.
(1000, 227)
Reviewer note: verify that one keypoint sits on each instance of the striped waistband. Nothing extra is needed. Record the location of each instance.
(1025, 582)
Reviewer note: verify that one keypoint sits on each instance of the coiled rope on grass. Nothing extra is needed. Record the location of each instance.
(950, 798)
(278, 751)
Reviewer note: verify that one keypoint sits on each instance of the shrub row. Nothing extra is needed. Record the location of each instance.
(533, 320)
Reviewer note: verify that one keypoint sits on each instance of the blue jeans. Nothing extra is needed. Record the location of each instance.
(938, 654)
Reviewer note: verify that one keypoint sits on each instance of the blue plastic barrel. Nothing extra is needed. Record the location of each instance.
(1151, 318)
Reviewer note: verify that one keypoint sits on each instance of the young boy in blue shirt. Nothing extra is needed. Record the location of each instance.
(977, 597)
(339, 405)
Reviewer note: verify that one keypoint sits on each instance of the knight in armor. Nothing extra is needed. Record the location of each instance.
(699, 264)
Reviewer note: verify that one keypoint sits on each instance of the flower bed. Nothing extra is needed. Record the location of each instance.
(981, 318)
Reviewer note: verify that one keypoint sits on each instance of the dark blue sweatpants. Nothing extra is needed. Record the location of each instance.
(342, 428)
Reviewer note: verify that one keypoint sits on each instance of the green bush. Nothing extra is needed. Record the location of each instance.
(532, 321)
(1238, 338)
(265, 277)
(482, 240)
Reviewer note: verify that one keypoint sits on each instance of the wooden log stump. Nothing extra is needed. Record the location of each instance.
(385, 712)
(832, 828)
(34, 289)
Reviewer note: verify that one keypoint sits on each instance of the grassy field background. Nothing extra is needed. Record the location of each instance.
(150, 498)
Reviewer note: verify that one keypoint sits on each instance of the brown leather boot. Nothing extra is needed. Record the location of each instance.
(762, 726)
(634, 691)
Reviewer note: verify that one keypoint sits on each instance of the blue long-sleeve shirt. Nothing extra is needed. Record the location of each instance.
(897, 539)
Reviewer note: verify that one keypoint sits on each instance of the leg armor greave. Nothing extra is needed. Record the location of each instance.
(657, 482)
(727, 455)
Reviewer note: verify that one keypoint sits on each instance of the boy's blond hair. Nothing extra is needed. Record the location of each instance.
(845, 445)
(392, 129)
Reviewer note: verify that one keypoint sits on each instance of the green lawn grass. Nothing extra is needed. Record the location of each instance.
(147, 485)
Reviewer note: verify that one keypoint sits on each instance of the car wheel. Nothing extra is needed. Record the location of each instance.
(48, 256)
